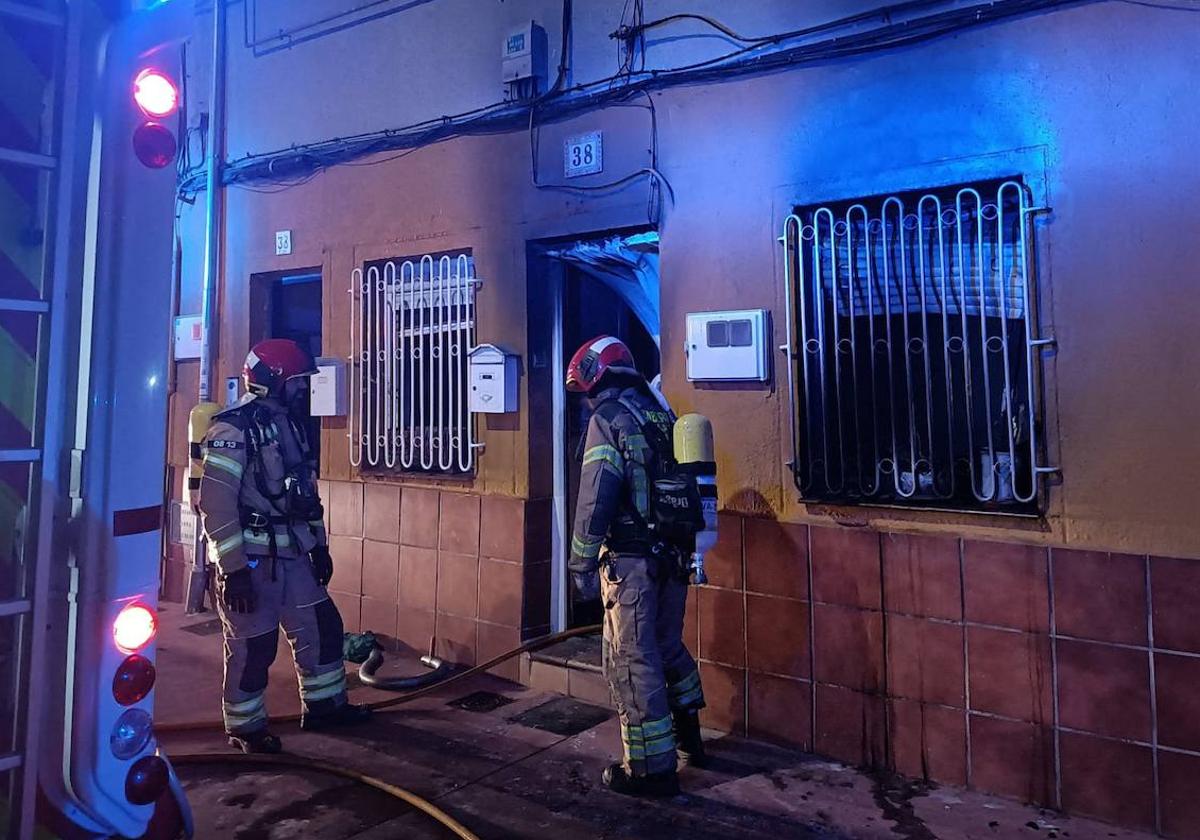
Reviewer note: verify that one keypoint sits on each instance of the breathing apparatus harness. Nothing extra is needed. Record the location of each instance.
(298, 497)
(676, 511)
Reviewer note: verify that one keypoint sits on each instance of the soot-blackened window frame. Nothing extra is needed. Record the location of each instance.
(913, 349)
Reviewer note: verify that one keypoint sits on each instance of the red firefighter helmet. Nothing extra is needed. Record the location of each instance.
(596, 358)
(273, 362)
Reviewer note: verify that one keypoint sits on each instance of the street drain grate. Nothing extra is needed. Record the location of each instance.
(481, 701)
(563, 716)
(205, 628)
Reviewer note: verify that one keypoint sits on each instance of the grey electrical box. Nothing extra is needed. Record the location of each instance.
(523, 62)
(327, 389)
(493, 377)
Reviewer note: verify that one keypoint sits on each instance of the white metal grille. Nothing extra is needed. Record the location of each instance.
(412, 326)
(912, 348)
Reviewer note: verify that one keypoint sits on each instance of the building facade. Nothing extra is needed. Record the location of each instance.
(1015, 616)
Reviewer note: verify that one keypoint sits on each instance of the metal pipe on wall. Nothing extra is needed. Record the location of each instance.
(213, 203)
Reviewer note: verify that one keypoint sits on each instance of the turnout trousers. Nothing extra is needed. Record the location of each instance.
(286, 595)
(649, 669)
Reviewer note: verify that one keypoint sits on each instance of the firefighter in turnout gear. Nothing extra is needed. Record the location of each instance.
(264, 523)
(642, 579)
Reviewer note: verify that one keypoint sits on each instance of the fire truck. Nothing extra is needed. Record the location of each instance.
(87, 285)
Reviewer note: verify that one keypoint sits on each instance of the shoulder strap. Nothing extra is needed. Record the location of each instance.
(658, 439)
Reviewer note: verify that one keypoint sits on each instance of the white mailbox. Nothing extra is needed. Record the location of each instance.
(727, 346)
(493, 378)
(327, 388)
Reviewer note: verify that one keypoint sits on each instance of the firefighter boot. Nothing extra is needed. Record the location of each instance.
(690, 746)
(617, 779)
(347, 714)
(261, 741)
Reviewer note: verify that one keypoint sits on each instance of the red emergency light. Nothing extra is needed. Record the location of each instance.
(133, 680)
(134, 627)
(155, 94)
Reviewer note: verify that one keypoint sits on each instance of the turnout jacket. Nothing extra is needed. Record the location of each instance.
(613, 506)
(256, 463)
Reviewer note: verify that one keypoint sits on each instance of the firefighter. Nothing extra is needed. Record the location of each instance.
(641, 580)
(264, 523)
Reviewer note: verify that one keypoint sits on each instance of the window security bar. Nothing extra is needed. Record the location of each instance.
(912, 349)
(412, 326)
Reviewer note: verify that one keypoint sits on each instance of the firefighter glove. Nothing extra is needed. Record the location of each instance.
(322, 564)
(236, 591)
(587, 584)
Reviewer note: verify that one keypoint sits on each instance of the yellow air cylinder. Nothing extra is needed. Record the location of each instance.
(695, 453)
(198, 423)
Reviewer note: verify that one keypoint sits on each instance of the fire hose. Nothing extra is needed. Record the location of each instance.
(437, 678)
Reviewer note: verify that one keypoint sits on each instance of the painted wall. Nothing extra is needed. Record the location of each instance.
(1109, 147)
(956, 650)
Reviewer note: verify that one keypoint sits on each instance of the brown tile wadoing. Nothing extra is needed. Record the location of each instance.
(1180, 806)
(495, 640)
(722, 626)
(1010, 674)
(851, 726)
(501, 589)
(846, 567)
(776, 558)
(1107, 779)
(1100, 596)
(535, 611)
(1006, 585)
(458, 585)
(925, 660)
(349, 607)
(1104, 689)
(456, 639)
(921, 576)
(1178, 684)
(724, 697)
(379, 616)
(502, 528)
(1175, 592)
(1012, 758)
(848, 647)
(458, 524)
(723, 564)
(928, 742)
(345, 505)
(381, 512)
(414, 628)
(777, 637)
(381, 570)
(779, 710)
(419, 517)
(347, 554)
(418, 577)
(691, 624)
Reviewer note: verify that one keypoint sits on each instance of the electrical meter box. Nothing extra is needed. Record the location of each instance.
(493, 377)
(728, 346)
(523, 61)
(327, 388)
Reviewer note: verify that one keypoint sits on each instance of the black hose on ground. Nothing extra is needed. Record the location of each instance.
(366, 673)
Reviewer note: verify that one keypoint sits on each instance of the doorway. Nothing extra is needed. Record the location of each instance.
(287, 304)
(604, 284)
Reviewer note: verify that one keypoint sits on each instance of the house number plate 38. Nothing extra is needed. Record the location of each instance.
(583, 155)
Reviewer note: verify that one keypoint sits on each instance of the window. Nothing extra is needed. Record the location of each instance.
(412, 325)
(913, 349)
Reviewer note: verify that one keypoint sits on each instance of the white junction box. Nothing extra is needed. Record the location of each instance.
(327, 388)
(523, 61)
(493, 377)
(188, 332)
(728, 346)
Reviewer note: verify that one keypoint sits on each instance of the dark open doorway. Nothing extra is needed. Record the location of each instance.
(603, 284)
(287, 304)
